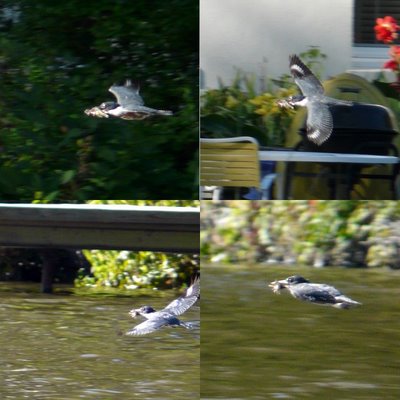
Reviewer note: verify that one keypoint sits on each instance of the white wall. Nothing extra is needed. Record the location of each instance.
(243, 33)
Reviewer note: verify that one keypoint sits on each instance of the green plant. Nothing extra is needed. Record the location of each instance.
(143, 269)
(132, 270)
(58, 59)
(226, 111)
(276, 119)
(238, 109)
(314, 232)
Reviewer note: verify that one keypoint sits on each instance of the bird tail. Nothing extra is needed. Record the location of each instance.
(164, 112)
(188, 325)
(337, 102)
(346, 302)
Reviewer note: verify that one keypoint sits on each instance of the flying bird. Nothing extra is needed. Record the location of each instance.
(129, 104)
(168, 315)
(317, 293)
(319, 118)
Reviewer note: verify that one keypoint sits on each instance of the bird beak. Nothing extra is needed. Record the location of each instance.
(285, 104)
(96, 112)
(134, 313)
(277, 286)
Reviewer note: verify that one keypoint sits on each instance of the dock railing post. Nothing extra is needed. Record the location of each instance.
(49, 259)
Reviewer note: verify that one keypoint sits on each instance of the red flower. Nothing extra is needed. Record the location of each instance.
(391, 64)
(395, 53)
(394, 63)
(386, 29)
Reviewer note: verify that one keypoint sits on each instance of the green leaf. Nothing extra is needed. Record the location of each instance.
(67, 176)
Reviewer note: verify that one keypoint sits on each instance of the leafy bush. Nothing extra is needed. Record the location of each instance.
(143, 269)
(58, 59)
(315, 232)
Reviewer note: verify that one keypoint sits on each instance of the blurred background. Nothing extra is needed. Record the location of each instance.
(244, 72)
(57, 60)
(70, 342)
(314, 233)
(260, 345)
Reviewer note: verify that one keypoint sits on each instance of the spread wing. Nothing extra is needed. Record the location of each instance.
(183, 303)
(148, 326)
(128, 95)
(319, 122)
(304, 78)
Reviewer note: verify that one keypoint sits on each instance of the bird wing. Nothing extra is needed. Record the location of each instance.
(304, 78)
(148, 326)
(128, 95)
(332, 290)
(319, 122)
(183, 303)
(319, 293)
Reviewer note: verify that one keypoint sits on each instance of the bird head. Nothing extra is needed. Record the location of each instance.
(108, 105)
(277, 286)
(141, 311)
(295, 279)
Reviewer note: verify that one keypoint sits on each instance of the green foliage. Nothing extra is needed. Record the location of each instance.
(131, 270)
(57, 59)
(276, 119)
(239, 110)
(227, 111)
(144, 269)
(165, 203)
(313, 58)
(347, 232)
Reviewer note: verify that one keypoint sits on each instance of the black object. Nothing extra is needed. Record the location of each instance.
(360, 129)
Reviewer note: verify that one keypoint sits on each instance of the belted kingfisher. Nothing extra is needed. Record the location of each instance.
(317, 293)
(129, 105)
(319, 117)
(168, 315)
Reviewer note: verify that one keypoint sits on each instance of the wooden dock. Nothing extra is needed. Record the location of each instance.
(87, 226)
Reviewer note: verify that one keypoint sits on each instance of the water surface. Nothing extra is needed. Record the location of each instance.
(259, 345)
(69, 346)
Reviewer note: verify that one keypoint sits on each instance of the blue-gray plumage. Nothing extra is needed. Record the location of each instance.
(129, 105)
(318, 293)
(319, 118)
(168, 315)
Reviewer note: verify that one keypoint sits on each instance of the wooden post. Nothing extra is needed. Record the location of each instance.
(49, 258)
